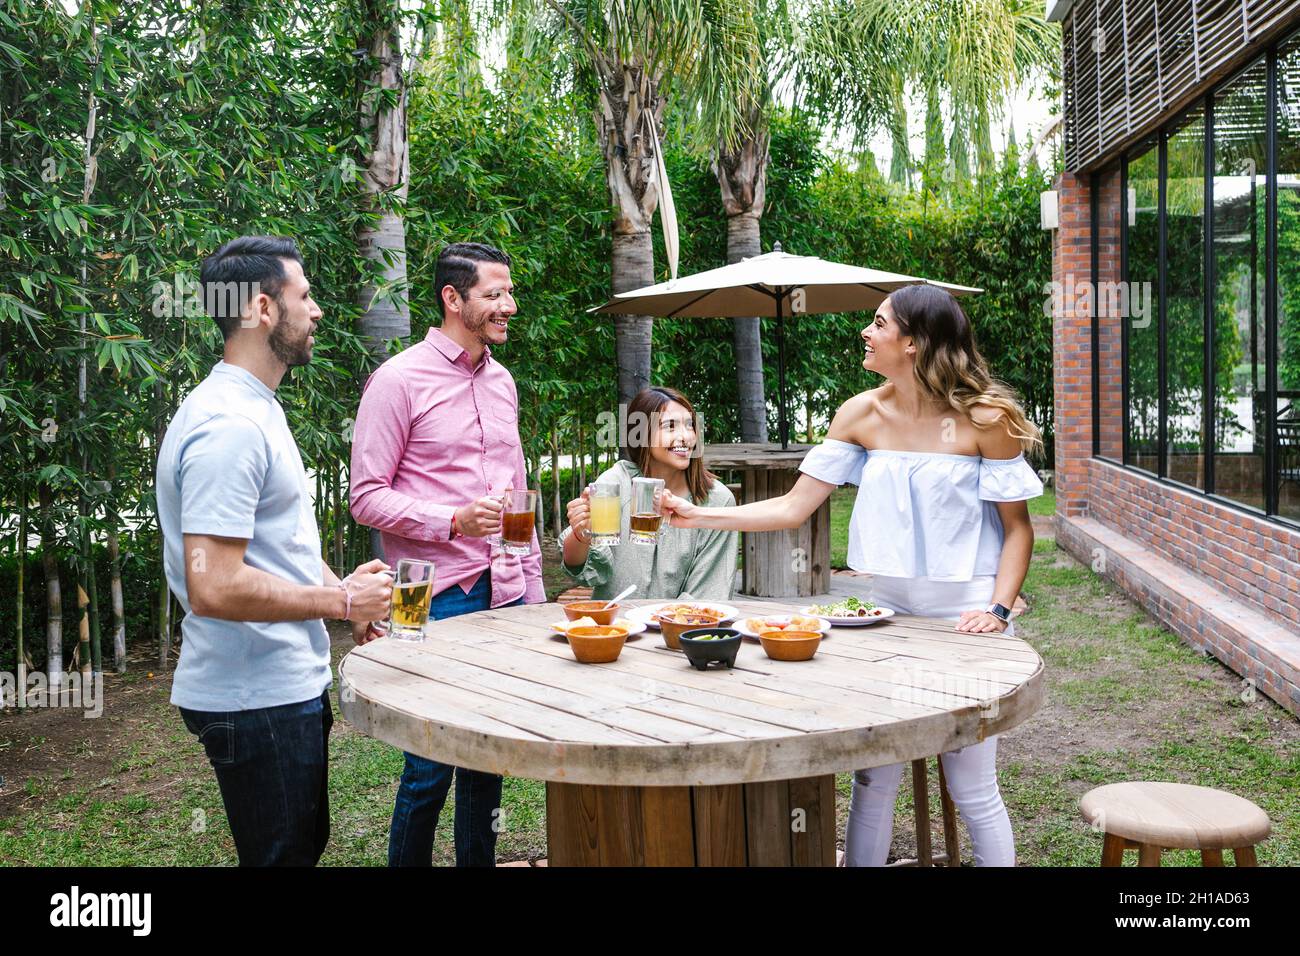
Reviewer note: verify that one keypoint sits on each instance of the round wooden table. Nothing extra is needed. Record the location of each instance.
(650, 762)
(793, 563)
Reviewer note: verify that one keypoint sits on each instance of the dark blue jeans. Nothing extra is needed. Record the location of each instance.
(425, 783)
(272, 766)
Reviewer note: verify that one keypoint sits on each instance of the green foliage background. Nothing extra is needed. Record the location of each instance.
(223, 119)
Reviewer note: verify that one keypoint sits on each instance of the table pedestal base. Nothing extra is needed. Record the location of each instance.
(781, 823)
(793, 563)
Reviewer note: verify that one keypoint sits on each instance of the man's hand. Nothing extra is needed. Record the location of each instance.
(480, 518)
(371, 588)
(580, 515)
(363, 632)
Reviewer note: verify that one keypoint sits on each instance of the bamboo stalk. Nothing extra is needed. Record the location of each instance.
(53, 592)
(21, 551)
(115, 575)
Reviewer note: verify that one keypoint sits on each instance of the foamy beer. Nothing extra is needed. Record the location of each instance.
(412, 592)
(517, 521)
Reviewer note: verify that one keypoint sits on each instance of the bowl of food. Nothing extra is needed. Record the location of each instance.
(753, 627)
(599, 644)
(675, 624)
(790, 645)
(595, 610)
(710, 645)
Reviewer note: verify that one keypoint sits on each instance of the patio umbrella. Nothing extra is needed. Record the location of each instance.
(775, 284)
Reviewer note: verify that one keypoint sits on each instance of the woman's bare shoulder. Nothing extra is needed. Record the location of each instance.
(855, 416)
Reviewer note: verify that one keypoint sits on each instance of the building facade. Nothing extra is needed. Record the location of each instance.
(1176, 304)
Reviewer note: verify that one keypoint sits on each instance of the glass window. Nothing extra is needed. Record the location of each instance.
(1141, 253)
(1240, 165)
(1286, 410)
(1185, 297)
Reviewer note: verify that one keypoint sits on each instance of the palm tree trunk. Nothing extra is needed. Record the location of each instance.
(900, 160)
(630, 116)
(632, 266)
(742, 178)
(53, 592)
(382, 238)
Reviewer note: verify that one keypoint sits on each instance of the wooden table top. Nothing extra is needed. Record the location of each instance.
(758, 455)
(498, 691)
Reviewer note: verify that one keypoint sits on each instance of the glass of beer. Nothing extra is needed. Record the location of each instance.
(646, 520)
(412, 592)
(517, 521)
(606, 513)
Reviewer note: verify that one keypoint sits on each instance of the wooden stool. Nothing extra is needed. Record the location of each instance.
(1149, 817)
(951, 855)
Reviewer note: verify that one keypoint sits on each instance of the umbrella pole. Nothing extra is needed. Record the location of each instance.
(780, 371)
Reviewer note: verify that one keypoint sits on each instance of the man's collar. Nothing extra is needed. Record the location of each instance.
(441, 341)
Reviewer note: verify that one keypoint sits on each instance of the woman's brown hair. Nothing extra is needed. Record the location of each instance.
(645, 407)
(950, 369)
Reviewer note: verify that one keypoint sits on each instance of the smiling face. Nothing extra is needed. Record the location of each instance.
(486, 310)
(673, 443)
(297, 314)
(888, 351)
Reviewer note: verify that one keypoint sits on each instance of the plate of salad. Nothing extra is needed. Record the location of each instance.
(851, 612)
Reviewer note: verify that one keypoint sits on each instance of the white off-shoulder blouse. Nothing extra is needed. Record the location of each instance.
(923, 514)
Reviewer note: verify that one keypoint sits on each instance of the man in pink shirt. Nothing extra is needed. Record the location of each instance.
(435, 445)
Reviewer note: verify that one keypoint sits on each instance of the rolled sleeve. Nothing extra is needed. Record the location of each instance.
(835, 462)
(222, 466)
(380, 434)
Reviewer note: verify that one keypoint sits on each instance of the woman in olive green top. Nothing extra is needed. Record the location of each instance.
(686, 562)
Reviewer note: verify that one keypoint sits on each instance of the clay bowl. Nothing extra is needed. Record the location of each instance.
(597, 645)
(591, 609)
(790, 645)
(720, 650)
(691, 620)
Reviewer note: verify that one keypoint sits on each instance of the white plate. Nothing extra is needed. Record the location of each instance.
(634, 627)
(740, 623)
(646, 612)
(884, 615)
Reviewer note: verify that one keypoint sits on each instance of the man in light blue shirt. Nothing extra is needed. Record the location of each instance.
(243, 556)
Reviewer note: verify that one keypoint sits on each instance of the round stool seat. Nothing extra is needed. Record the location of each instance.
(1175, 815)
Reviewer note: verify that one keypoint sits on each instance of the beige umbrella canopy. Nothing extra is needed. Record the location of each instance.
(775, 284)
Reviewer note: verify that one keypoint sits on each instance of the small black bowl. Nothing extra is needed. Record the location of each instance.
(703, 653)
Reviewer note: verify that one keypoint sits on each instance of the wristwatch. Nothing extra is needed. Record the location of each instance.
(1002, 613)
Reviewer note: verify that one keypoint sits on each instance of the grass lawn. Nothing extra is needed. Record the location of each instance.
(1125, 700)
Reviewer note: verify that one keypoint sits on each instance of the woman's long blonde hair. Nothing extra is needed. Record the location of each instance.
(950, 369)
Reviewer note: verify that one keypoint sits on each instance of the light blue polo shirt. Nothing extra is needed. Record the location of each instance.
(229, 467)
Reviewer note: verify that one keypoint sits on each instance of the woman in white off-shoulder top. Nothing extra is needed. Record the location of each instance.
(940, 522)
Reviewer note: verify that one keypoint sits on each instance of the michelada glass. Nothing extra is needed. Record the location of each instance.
(412, 592)
(647, 518)
(606, 503)
(517, 521)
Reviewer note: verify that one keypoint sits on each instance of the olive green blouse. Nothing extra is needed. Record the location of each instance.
(699, 562)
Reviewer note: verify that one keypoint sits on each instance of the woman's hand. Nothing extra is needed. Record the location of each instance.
(980, 622)
(681, 511)
(580, 515)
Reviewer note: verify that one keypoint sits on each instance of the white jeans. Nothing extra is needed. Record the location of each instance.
(971, 772)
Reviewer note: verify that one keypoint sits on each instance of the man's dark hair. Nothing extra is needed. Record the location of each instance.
(240, 269)
(458, 267)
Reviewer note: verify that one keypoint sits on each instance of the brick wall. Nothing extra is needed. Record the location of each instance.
(1246, 557)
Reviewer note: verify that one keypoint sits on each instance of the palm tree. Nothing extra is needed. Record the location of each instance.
(639, 55)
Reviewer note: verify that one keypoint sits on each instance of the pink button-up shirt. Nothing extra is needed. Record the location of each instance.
(433, 434)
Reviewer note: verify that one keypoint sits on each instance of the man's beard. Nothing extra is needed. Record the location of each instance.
(477, 326)
(292, 352)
